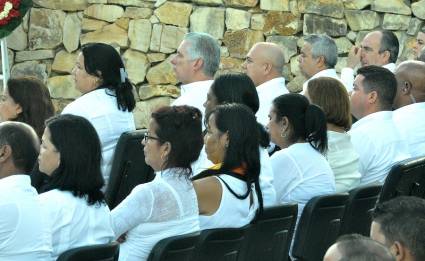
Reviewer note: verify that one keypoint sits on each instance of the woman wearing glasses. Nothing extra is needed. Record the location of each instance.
(167, 206)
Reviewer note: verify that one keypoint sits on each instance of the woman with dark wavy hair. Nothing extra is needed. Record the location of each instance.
(75, 206)
(107, 100)
(167, 206)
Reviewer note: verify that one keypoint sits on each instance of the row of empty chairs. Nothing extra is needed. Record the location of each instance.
(324, 218)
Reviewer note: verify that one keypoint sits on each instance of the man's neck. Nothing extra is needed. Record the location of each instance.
(269, 78)
(199, 78)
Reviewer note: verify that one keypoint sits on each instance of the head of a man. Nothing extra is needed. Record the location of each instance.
(19, 148)
(374, 90)
(419, 43)
(410, 77)
(379, 48)
(264, 62)
(197, 58)
(318, 53)
(399, 224)
(357, 248)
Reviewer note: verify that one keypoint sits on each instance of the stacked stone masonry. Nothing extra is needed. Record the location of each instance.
(148, 32)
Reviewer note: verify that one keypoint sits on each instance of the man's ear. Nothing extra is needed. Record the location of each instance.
(5, 152)
(398, 251)
(386, 56)
(198, 64)
(320, 61)
(406, 88)
(267, 68)
(372, 97)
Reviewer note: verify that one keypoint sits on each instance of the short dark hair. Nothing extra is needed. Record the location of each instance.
(80, 157)
(307, 121)
(181, 126)
(402, 219)
(34, 98)
(381, 80)
(331, 95)
(23, 142)
(389, 42)
(239, 88)
(239, 122)
(356, 247)
(103, 61)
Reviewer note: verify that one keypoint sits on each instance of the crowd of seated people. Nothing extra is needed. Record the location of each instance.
(222, 177)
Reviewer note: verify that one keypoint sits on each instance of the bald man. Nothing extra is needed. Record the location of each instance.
(377, 48)
(264, 65)
(409, 103)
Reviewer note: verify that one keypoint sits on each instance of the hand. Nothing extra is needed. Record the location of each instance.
(353, 57)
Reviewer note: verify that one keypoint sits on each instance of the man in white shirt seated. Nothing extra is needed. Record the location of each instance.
(23, 233)
(196, 62)
(318, 58)
(264, 65)
(409, 103)
(377, 48)
(375, 136)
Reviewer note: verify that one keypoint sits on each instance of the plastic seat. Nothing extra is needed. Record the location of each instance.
(129, 168)
(103, 252)
(221, 244)
(318, 227)
(270, 236)
(177, 248)
(357, 217)
(406, 178)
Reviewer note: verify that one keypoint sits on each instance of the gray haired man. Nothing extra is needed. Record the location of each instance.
(196, 62)
(318, 58)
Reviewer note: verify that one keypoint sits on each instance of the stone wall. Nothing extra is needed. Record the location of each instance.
(148, 32)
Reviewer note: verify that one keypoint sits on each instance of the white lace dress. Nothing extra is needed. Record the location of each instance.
(165, 207)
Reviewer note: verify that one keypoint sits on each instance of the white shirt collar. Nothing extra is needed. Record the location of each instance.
(380, 115)
(18, 180)
(325, 73)
(390, 66)
(273, 82)
(193, 85)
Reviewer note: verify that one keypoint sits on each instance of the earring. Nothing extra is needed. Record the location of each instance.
(283, 134)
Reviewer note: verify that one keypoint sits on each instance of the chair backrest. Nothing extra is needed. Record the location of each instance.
(270, 236)
(221, 244)
(357, 216)
(318, 227)
(129, 168)
(406, 178)
(103, 252)
(176, 248)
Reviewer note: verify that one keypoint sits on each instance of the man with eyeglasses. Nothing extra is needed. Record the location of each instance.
(264, 65)
(409, 103)
(377, 48)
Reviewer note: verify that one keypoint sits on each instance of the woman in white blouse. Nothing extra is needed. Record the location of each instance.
(300, 169)
(167, 206)
(229, 193)
(107, 100)
(330, 95)
(77, 213)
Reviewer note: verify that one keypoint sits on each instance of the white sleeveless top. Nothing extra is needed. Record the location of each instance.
(232, 212)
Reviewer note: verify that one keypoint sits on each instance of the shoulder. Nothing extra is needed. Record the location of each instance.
(207, 186)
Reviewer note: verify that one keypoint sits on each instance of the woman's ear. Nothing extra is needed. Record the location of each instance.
(18, 109)
(285, 123)
(166, 150)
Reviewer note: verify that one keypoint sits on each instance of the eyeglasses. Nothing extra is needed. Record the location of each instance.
(147, 137)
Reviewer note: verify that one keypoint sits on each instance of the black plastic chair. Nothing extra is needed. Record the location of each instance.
(406, 178)
(176, 248)
(318, 227)
(129, 168)
(357, 217)
(103, 252)
(270, 236)
(221, 244)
